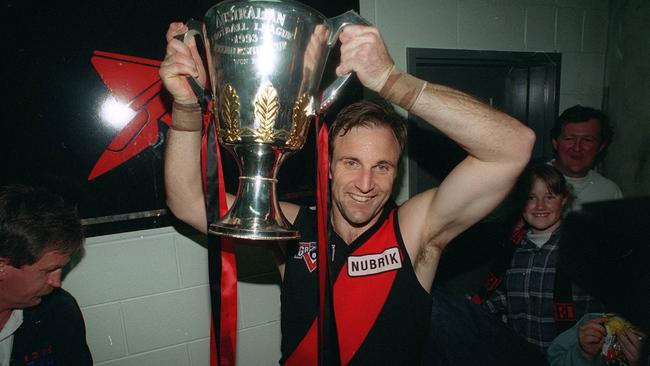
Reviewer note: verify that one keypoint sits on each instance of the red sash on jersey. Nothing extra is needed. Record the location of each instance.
(358, 301)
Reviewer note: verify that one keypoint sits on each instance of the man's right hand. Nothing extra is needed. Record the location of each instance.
(591, 336)
(181, 60)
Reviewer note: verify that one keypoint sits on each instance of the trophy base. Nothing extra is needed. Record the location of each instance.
(277, 233)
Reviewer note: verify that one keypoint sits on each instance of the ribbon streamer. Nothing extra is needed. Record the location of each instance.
(324, 288)
(221, 256)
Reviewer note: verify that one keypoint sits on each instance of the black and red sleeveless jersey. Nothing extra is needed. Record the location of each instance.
(380, 309)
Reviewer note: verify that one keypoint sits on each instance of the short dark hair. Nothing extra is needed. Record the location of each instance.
(577, 114)
(367, 114)
(553, 178)
(34, 220)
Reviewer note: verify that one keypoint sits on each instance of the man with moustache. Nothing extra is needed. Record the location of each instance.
(40, 323)
(381, 311)
(580, 137)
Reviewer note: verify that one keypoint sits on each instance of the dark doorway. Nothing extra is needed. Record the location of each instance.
(522, 84)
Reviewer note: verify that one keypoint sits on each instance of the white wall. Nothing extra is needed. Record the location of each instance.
(144, 294)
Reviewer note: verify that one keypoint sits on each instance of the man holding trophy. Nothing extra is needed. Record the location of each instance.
(384, 257)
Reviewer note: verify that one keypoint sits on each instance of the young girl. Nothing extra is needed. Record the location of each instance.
(535, 298)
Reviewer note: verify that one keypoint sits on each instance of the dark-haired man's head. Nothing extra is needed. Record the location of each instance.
(580, 138)
(34, 220)
(39, 232)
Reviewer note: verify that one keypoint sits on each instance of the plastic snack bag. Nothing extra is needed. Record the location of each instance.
(611, 353)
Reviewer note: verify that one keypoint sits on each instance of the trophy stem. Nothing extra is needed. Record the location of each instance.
(255, 213)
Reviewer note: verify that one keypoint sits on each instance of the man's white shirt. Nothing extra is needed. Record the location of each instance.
(593, 187)
(7, 336)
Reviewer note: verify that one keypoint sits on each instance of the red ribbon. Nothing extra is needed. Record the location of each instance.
(322, 185)
(228, 334)
(223, 340)
(313, 347)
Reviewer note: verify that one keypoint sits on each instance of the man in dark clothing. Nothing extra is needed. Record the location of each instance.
(390, 253)
(40, 324)
(374, 270)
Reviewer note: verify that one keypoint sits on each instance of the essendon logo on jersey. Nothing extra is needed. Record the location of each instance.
(307, 251)
(370, 264)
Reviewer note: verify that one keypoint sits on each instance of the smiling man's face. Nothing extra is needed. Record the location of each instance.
(577, 147)
(363, 170)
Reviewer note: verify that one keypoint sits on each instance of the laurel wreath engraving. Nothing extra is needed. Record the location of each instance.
(266, 110)
(299, 124)
(231, 131)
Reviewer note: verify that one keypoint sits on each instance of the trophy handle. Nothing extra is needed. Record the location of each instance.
(338, 23)
(195, 28)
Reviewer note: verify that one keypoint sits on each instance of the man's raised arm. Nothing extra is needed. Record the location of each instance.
(182, 150)
(499, 146)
